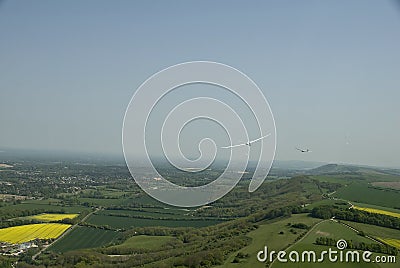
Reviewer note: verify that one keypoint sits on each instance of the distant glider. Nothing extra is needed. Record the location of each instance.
(247, 143)
(303, 150)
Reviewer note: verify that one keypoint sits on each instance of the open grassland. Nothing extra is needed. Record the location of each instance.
(378, 211)
(144, 242)
(25, 233)
(362, 192)
(84, 237)
(268, 234)
(53, 217)
(335, 230)
(126, 222)
(107, 193)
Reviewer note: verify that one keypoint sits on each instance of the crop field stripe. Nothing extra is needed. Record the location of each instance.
(54, 232)
(378, 211)
(53, 216)
(28, 235)
(393, 242)
(42, 229)
(99, 238)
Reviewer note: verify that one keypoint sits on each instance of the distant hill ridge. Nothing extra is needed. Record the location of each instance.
(332, 169)
(335, 168)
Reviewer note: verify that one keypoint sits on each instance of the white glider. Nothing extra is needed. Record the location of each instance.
(303, 150)
(247, 143)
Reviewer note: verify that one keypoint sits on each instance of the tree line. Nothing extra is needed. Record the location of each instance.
(373, 247)
(326, 212)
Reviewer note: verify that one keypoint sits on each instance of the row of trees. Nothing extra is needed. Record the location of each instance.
(326, 212)
(374, 247)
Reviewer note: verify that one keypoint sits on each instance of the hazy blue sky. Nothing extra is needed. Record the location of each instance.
(330, 69)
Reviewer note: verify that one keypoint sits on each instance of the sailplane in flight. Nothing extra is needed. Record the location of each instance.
(247, 143)
(303, 150)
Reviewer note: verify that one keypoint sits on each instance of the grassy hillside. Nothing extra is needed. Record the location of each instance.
(141, 242)
(269, 234)
(333, 230)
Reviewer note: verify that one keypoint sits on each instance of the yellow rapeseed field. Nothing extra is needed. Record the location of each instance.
(378, 211)
(25, 233)
(391, 241)
(53, 217)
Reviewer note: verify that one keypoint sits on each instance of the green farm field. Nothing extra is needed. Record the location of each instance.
(364, 193)
(84, 237)
(43, 206)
